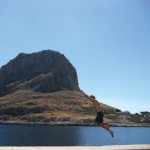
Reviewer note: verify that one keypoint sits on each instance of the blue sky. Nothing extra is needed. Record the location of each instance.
(107, 41)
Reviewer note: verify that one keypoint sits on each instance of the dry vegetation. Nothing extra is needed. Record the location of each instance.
(58, 107)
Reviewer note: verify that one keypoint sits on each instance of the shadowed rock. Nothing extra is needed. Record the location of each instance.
(45, 71)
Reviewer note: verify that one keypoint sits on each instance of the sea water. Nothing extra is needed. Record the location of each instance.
(45, 135)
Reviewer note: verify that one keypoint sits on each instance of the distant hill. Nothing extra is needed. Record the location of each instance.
(43, 87)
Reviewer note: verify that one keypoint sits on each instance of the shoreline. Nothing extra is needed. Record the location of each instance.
(74, 124)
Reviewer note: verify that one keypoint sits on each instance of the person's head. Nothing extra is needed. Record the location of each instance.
(92, 96)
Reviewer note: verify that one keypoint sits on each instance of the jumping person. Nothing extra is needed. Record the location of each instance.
(100, 115)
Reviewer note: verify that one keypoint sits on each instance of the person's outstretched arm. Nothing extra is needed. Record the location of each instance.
(87, 96)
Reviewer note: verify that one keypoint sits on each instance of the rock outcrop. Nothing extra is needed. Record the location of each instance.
(45, 71)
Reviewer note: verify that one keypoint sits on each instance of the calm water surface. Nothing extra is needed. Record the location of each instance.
(44, 135)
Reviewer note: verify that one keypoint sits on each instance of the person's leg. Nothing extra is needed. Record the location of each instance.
(106, 123)
(103, 125)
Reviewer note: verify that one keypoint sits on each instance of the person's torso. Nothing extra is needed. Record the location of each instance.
(96, 106)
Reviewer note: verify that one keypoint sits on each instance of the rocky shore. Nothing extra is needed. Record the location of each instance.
(76, 124)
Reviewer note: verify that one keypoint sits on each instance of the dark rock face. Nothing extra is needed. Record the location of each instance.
(45, 71)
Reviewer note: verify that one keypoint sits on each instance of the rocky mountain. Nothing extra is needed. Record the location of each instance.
(43, 87)
(45, 71)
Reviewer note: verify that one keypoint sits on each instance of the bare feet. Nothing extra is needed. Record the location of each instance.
(112, 134)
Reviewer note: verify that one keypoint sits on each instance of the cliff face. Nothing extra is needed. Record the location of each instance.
(45, 71)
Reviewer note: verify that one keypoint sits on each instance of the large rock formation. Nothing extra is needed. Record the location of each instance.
(43, 88)
(45, 71)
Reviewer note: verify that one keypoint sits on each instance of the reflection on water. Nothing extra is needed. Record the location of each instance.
(44, 135)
